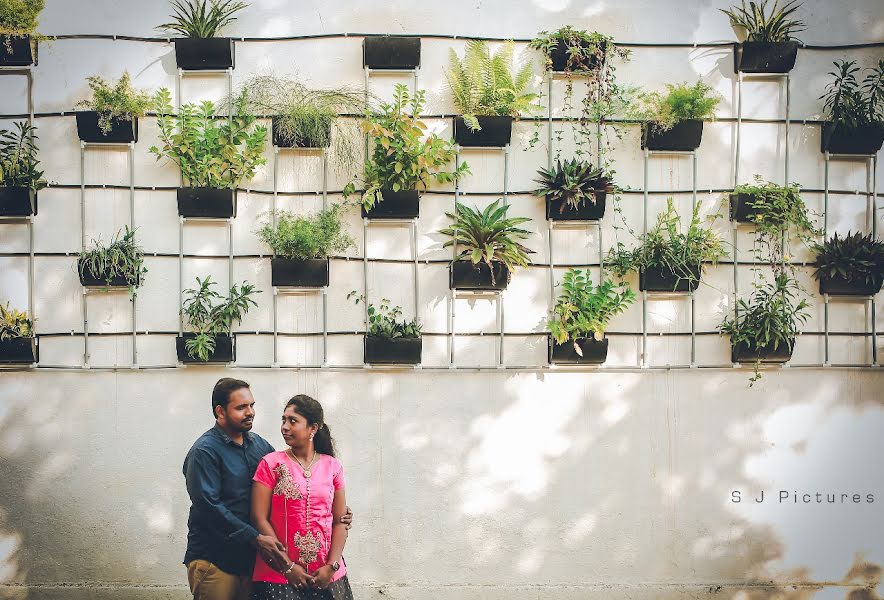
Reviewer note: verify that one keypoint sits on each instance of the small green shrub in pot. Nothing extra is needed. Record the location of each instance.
(202, 18)
(573, 183)
(208, 314)
(15, 323)
(118, 101)
(582, 310)
(384, 320)
(854, 259)
(681, 102)
(18, 19)
(121, 258)
(853, 110)
(304, 237)
(18, 158)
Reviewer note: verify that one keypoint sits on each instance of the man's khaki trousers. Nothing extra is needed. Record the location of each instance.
(208, 582)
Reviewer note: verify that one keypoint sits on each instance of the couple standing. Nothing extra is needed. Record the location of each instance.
(265, 525)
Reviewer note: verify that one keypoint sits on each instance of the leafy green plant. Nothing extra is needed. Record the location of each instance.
(855, 258)
(18, 18)
(207, 313)
(488, 236)
(849, 104)
(583, 310)
(761, 26)
(572, 182)
(304, 237)
(122, 257)
(18, 158)
(679, 103)
(202, 18)
(211, 152)
(383, 320)
(118, 101)
(484, 84)
(15, 323)
(402, 158)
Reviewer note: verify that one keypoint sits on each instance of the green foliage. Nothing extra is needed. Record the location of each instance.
(856, 258)
(488, 236)
(850, 104)
(18, 158)
(681, 102)
(207, 313)
(122, 257)
(117, 101)
(384, 320)
(401, 158)
(574, 182)
(202, 18)
(303, 237)
(19, 17)
(484, 84)
(211, 152)
(583, 310)
(762, 26)
(14, 323)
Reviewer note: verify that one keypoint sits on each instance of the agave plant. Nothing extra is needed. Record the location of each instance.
(573, 182)
(202, 18)
(583, 310)
(14, 323)
(856, 258)
(762, 26)
(488, 236)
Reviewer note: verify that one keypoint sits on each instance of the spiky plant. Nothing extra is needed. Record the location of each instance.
(484, 84)
(855, 257)
(573, 182)
(121, 257)
(14, 323)
(115, 101)
(583, 310)
(202, 18)
(764, 26)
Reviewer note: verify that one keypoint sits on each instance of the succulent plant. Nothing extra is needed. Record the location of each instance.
(855, 257)
(573, 182)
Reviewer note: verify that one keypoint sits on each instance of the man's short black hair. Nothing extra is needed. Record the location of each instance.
(222, 391)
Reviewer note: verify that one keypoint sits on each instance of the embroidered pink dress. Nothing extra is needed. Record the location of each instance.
(300, 510)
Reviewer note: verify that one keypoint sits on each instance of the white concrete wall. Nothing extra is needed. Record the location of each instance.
(518, 484)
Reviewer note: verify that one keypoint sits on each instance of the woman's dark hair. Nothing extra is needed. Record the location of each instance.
(311, 410)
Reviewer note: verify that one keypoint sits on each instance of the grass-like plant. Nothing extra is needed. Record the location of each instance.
(208, 314)
(303, 237)
(850, 104)
(762, 25)
(122, 257)
(115, 101)
(583, 310)
(384, 320)
(15, 323)
(18, 18)
(680, 102)
(856, 258)
(201, 18)
(573, 182)
(18, 158)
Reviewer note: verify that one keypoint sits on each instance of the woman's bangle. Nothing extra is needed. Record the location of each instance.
(289, 569)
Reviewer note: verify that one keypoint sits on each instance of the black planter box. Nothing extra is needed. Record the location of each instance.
(839, 286)
(225, 349)
(17, 51)
(210, 203)
(397, 351)
(496, 132)
(586, 211)
(683, 137)
(394, 52)
(404, 204)
(204, 54)
(741, 353)
(844, 140)
(594, 352)
(740, 209)
(293, 272)
(765, 57)
(659, 279)
(17, 201)
(90, 279)
(464, 275)
(298, 142)
(559, 58)
(19, 351)
(122, 131)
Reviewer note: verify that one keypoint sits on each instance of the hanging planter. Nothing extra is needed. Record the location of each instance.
(741, 207)
(17, 201)
(122, 131)
(838, 139)
(766, 354)
(404, 204)
(90, 279)
(495, 132)
(393, 351)
(224, 352)
(594, 352)
(294, 272)
(17, 51)
(203, 202)
(587, 211)
(684, 136)
(464, 275)
(391, 52)
(838, 285)
(19, 351)
(281, 141)
(661, 279)
(765, 57)
(204, 54)
(559, 56)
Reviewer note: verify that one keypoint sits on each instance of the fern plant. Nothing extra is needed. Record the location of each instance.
(572, 182)
(855, 258)
(485, 84)
(849, 104)
(15, 323)
(583, 310)
(305, 237)
(18, 158)
(680, 102)
(208, 314)
(122, 257)
(384, 320)
(201, 18)
(764, 26)
(118, 101)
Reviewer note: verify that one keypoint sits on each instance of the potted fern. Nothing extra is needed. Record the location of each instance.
(20, 178)
(854, 112)
(111, 115)
(850, 266)
(490, 250)
(214, 155)
(301, 246)
(391, 52)
(581, 315)
(119, 264)
(574, 191)
(770, 46)
(488, 91)
(199, 21)
(674, 121)
(390, 340)
(210, 317)
(18, 43)
(401, 159)
(18, 343)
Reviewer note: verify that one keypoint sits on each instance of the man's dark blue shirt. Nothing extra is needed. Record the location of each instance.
(219, 475)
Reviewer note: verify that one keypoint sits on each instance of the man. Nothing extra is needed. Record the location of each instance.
(219, 467)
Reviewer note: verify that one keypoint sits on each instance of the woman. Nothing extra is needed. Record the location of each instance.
(298, 497)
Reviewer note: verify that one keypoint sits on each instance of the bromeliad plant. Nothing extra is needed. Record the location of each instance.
(201, 18)
(123, 257)
(763, 26)
(208, 314)
(851, 105)
(855, 258)
(572, 182)
(402, 158)
(211, 152)
(15, 323)
(115, 101)
(384, 320)
(583, 310)
(680, 102)
(304, 237)
(488, 236)
(18, 158)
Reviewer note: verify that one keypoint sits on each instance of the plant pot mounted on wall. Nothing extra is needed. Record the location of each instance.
(684, 136)
(206, 203)
(661, 279)
(90, 279)
(766, 354)
(293, 272)
(17, 201)
(281, 141)
(495, 132)
(464, 275)
(560, 210)
(395, 351)
(122, 131)
(225, 349)
(17, 51)
(404, 204)
(765, 57)
(840, 286)
(19, 351)
(204, 54)
(559, 57)
(845, 140)
(740, 208)
(594, 352)
(391, 52)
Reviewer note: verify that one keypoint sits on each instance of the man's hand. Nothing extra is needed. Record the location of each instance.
(347, 518)
(298, 576)
(272, 551)
(322, 576)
